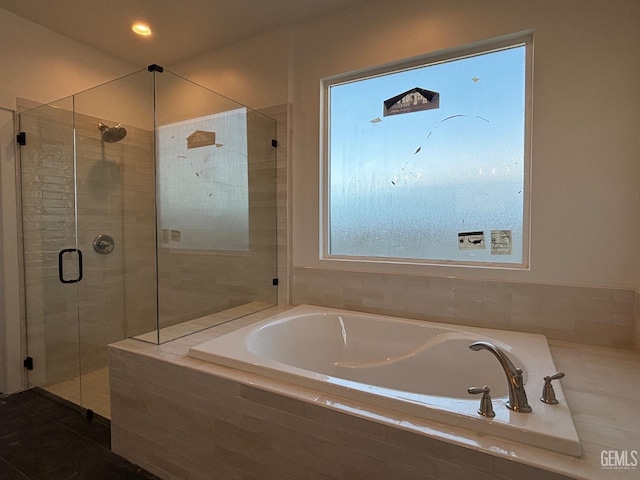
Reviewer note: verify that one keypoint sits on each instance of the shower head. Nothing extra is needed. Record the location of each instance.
(112, 134)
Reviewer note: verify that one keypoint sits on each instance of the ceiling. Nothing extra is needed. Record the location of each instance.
(182, 29)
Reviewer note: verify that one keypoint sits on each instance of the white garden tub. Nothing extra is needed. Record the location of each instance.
(411, 367)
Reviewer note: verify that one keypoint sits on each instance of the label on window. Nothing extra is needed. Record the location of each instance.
(500, 242)
(471, 240)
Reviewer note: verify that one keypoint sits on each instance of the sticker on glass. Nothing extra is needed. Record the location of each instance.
(471, 240)
(500, 242)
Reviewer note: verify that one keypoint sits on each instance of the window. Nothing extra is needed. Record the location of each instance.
(428, 163)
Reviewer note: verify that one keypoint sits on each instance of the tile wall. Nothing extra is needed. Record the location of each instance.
(599, 316)
(181, 422)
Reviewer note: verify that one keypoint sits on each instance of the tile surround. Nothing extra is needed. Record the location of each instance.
(199, 417)
(598, 316)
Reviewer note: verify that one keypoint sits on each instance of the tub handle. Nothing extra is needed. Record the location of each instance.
(486, 407)
(548, 394)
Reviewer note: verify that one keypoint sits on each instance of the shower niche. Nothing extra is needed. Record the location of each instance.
(149, 211)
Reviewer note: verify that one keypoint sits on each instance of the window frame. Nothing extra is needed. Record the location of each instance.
(487, 46)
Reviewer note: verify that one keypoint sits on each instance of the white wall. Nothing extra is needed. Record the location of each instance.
(585, 170)
(43, 66)
(253, 72)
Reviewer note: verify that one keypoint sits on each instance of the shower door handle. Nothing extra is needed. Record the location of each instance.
(61, 266)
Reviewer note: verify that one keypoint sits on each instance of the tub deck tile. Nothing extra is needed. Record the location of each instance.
(162, 392)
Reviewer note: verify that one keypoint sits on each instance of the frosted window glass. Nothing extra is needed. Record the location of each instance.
(407, 186)
(203, 183)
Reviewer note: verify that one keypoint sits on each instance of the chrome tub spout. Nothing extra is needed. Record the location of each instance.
(517, 395)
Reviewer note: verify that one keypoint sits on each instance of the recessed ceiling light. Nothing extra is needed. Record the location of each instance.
(141, 29)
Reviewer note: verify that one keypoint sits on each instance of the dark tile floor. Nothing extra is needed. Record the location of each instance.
(41, 438)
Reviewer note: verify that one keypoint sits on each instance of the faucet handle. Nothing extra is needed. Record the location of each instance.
(548, 394)
(486, 407)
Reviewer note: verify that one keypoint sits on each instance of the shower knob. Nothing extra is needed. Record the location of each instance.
(103, 244)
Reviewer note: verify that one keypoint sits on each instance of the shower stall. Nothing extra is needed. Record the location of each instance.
(149, 211)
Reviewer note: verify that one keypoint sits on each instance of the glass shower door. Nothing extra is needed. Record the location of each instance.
(115, 188)
(88, 194)
(149, 211)
(52, 261)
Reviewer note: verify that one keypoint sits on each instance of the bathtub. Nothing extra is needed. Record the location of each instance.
(410, 367)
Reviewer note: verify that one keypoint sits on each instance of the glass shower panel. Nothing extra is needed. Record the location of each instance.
(51, 259)
(148, 202)
(115, 222)
(216, 207)
(260, 267)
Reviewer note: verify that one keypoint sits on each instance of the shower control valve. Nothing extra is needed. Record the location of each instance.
(548, 394)
(103, 244)
(486, 407)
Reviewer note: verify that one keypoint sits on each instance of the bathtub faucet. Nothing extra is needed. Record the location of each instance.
(517, 396)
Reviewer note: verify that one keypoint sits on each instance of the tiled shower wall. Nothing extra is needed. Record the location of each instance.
(599, 316)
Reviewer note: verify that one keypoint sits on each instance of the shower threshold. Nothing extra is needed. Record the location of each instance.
(95, 391)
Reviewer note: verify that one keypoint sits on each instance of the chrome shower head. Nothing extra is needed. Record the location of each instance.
(112, 134)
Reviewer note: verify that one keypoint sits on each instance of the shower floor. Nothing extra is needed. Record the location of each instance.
(90, 390)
